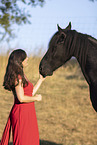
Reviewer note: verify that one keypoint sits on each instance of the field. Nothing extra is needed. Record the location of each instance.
(65, 114)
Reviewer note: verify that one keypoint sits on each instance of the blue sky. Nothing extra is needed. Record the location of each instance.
(81, 13)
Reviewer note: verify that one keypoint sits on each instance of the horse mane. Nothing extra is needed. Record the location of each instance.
(80, 43)
(77, 44)
(78, 47)
(92, 39)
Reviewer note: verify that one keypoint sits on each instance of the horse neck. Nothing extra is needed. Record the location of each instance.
(80, 48)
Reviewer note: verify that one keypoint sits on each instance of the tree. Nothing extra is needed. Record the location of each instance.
(11, 13)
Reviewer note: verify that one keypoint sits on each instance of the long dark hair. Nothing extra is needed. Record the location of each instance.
(14, 69)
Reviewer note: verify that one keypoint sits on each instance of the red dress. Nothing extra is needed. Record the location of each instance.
(23, 120)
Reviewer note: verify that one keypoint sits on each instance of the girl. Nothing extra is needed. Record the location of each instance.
(22, 117)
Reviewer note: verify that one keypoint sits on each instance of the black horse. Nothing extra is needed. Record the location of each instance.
(67, 43)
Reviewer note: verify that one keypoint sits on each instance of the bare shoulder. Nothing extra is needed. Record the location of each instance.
(19, 83)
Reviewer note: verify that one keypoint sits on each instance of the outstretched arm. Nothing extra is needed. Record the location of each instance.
(36, 87)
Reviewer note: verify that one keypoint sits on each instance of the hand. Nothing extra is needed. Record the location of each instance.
(38, 97)
(42, 78)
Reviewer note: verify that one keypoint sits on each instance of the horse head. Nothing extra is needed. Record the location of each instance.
(56, 55)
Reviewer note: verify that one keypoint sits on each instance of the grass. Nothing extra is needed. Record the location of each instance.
(65, 115)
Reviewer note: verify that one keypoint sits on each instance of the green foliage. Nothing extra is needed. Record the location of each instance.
(11, 13)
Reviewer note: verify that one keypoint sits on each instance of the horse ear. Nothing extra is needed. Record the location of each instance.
(68, 27)
(61, 38)
(62, 35)
(59, 28)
